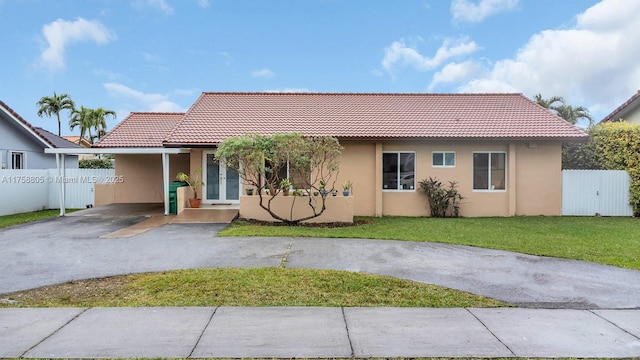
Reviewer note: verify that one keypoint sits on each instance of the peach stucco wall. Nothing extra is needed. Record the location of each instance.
(338, 208)
(142, 178)
(533, 180)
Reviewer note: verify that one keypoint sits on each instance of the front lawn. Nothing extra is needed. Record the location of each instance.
(606, 240)
(15, 219)
(246, 287)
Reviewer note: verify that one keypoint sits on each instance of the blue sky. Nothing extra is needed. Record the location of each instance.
(159, 55)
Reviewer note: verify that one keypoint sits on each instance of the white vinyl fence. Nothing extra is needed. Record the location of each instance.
(590, 192)
(32, 190)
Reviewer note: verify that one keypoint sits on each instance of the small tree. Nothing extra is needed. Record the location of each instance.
(261, 162)
(441, 200)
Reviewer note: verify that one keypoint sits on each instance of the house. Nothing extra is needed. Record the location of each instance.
(503, 150)
(83, 143)
(22, 145)
(628, 111)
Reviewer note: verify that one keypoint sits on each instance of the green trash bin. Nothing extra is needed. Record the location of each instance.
(173, 195)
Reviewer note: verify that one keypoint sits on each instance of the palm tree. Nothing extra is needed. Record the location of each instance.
(100, 122)
(54, 105)
(82, 118)
(572, 115)
(548, 103)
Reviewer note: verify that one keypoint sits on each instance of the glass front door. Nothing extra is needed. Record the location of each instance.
(222, 184)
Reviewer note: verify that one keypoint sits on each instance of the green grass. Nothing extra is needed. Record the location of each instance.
(612, 241)
(16, 219)
(247, 287)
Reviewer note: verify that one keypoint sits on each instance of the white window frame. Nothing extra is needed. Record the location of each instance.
(398, 171)
(506, 171)
(444, 156)
(23, 159)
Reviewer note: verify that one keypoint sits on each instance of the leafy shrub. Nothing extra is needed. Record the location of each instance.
(95, 164)
(441, 200)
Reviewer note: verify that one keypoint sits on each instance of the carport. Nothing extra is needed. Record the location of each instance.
(61, 154)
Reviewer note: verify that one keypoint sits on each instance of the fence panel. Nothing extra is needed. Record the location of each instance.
(590, 192)
(32, 190)
(23, 191)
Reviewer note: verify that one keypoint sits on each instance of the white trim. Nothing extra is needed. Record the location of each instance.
(26, 127)
(165, 182)
(506, 170)
(222, 183)
(398, 170)
(10, 153)
(444, 159)
(82, 151)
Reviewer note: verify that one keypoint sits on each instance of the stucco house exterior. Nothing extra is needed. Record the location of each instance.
(628, 111)
(503, 150)
(22, 145)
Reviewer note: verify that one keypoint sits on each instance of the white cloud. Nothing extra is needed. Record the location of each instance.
(456, 72)
(161, 5)
(147, 102)
(400, 53)
(263, 73)
(468, 11)
(594, 64)
(60, 33)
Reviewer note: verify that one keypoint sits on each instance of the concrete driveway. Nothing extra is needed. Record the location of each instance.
(70, 248)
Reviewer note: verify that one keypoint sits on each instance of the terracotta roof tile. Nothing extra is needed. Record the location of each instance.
(140, 129)
(216, 116)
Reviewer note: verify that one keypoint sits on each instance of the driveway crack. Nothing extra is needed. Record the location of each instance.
(285, 256)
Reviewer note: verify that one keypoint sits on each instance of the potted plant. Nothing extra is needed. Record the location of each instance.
(193, 183)
(323, 191)
(249, 191)
(346, 187)
(285, 185)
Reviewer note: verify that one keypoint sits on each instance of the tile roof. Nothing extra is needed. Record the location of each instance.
(55, 140)
(46, 137)
(216, 116)
(140, 129)
(621, 110)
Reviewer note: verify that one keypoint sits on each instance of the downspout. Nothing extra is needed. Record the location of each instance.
(512, 183)
(165, 181)
(378, 180)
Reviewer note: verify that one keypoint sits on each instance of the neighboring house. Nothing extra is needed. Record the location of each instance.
(22, 145)
(628, 111)
(83, 143)
(503, 150)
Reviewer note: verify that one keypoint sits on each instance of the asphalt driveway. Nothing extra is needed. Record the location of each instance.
(70, 248)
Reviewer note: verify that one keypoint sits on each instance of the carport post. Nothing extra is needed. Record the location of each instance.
(165, 181)
(60, 162)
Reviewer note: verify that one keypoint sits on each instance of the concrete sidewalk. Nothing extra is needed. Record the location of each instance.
(236, 332)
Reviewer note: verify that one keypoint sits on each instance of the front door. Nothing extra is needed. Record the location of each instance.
(221, 184)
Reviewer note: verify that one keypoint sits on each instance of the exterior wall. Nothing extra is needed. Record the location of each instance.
(358, 165)
(338, 208)
(633, 116)
(539, 179)
(142, 175)
(533, 178)
(105, 194)
(15, 139)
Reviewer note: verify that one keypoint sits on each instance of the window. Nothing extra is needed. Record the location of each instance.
(17, 160)
(398, 170)
(444, 159)
(489, 170)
